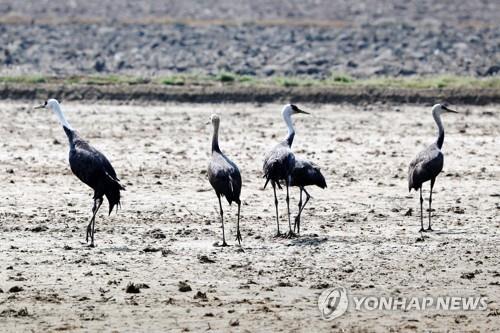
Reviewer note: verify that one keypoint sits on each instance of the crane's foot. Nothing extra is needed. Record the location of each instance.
(278, 235)
(218, 244)
(429, 229)
(92, 245)
(422, 230)
(238, 237)
(291, 234)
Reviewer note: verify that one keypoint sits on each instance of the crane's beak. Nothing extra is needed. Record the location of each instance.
(449, 110)
(301, 111)
(42, 106)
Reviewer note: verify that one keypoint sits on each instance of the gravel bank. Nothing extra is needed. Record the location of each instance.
(311, 38)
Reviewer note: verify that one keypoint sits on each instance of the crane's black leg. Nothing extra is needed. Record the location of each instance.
(91, 226)
(300, 212)
(238, 234)
(297, 218)
(290, 234)
(278, 234)
(430, 204)
(222, 220)
(421, 211)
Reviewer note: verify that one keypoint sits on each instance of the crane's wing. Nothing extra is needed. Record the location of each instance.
(425, 166)
(225, 177)
(90, 165)
(278, 163)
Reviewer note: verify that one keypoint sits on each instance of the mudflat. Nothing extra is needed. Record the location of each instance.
(360, 233)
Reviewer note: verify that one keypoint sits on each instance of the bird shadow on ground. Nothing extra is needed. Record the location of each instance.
(308, 240)
(450, 232)
(120, 248)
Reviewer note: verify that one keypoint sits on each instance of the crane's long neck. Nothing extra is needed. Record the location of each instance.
(70, 132)
(291, 131)
(439, 123)
(215, 138)
(62, 119)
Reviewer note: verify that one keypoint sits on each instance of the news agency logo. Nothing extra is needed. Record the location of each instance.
(334, 302)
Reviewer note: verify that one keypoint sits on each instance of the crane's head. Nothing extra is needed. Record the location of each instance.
(53, 105)
(50, 104)
(438, 109)
(291, 109)
(215, 119)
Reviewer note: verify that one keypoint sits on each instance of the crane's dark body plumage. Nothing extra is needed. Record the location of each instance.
(225, 178)
(93, 168)
(428, 164)
(279, 163)
(305, 173)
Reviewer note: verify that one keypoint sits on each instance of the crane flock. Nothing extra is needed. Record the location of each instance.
(281, 167)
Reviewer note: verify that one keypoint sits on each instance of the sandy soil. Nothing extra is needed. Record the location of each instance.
(355, 233)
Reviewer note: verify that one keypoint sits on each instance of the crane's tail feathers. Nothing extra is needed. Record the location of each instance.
(113, 194)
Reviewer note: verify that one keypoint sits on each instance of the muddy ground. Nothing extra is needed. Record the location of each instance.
(355, 233)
